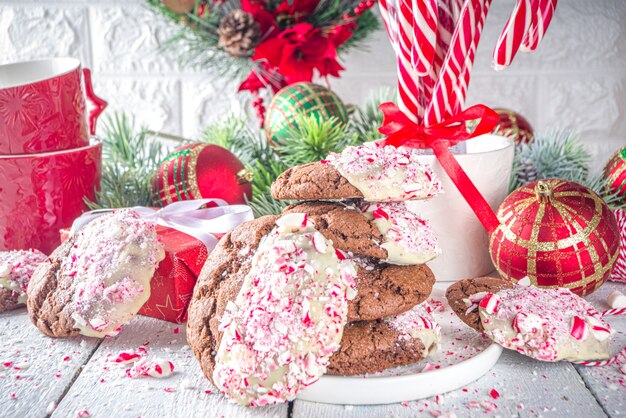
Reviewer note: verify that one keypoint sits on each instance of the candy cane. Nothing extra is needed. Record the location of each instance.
(617, 311)
(424, 13)
(619, 357)
(513, 33)
(539, 25)
(448, 14)
(399, 24)
(458, 62)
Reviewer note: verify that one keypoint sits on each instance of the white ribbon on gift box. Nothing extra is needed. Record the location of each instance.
(187, 216)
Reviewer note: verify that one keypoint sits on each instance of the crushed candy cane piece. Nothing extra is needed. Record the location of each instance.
(494, 394)
(157, 368)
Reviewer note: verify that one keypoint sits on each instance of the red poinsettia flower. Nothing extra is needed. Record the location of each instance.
(266, 20)
(298, 51)
(341, 33)
(263, 76)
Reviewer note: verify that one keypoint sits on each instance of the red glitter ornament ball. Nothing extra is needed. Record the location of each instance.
(558, 233)
(201, 171)
(514, 125)
(615, 173)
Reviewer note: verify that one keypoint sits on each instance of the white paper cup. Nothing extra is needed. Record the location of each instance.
(462, 238)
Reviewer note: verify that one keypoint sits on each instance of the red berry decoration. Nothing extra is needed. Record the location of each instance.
(514, 125)
(615, 173)
(558, 233)
(201, 171)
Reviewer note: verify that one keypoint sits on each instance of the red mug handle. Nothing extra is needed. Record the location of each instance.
(97, 104)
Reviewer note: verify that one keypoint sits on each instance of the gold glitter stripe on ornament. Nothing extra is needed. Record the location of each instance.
(549, 246)
(192, 177)
(165, 182)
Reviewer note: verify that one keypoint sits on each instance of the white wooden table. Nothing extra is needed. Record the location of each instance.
(40, 376)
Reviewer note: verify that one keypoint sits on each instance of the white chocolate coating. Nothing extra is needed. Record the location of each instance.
(16, 269)
(110, 267)
(408, 239)
(418, 323)
(386, 174)
(545, 324)
(288, 318)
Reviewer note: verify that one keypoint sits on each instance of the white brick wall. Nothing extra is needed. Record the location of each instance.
(576, 79)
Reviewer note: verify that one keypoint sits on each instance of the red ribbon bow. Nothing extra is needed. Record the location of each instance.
(401, 131)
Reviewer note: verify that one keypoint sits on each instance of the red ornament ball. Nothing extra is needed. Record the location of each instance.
(201, 171)
(615, 173)
(514, 125)
(558, 233)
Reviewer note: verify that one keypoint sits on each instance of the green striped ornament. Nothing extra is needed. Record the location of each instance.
(301, 98)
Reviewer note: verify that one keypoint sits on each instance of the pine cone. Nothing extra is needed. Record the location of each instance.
(239, 33)
(527, 171)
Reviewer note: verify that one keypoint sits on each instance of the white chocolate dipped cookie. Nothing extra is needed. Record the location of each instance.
(287, 319)
(16, 269)
(370, 172)
(545, 324)
(98, 279)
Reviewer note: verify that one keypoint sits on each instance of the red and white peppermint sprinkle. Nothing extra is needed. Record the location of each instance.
(157, 368)
(287, 320)
(545, 324)
(16, 269)
(579, 329)
(407, 238)
(494, 394)
(130, 356)
(111, 264)
(385, 174)
(490, 303)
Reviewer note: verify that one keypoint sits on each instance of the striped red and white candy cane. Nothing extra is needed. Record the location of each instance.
(457, 101)
(514, 32)
(448, 14)
(398, 20)
(541, 20)
(619, 357)
(457, 65)
(425, 16)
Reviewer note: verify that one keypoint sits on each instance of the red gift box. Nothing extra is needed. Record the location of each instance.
(173, 282)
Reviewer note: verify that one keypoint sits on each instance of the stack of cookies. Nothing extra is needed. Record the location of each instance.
(333, 285)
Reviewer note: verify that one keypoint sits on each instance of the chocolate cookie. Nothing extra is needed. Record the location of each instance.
(219, 282)
(467, 292)
(97, 280)
(371, 172)
(16, 269)
(313, 181)
(230, 263)
(385, 289)
(373, 346)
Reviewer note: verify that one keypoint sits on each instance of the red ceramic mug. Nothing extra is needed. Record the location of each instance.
(42, 193)
(42, 106)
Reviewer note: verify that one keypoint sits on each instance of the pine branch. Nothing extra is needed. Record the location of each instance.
(366, 24)
(130, 159)
(601, 186)
(263, 176)
(556, 153)
(234, 134)
(311, 139)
